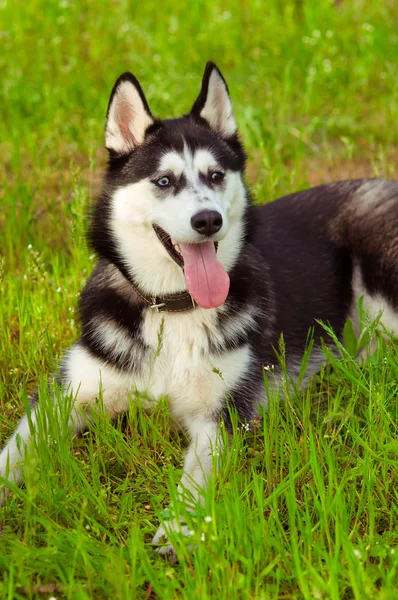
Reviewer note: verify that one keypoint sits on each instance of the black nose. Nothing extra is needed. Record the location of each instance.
(207, 222)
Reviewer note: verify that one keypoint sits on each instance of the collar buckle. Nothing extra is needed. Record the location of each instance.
(158, 307)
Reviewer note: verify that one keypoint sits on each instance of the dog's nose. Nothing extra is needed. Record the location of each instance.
(207, 222)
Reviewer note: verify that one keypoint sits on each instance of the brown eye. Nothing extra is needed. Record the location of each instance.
(217, 176)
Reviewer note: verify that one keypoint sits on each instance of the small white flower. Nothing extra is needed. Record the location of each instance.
(29, 246)
(316, 33)
(191, 532)
(202, 537)
(59, 289)
(358, 553)
(208, 519)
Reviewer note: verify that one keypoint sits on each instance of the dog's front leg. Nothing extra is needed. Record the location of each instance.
(13, 453)
(205, 443)
(85, 379)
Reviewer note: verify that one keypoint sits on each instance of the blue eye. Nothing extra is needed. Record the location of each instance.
(163, 181)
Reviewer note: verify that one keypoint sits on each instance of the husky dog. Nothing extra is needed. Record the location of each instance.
(182, 251)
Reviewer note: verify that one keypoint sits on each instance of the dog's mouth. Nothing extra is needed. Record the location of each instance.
(205, 277)
(174, 250)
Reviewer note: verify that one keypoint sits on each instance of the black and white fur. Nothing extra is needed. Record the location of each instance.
(306, 257)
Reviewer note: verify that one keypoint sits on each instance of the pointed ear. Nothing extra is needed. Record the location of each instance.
(214, 104)
(128, 116)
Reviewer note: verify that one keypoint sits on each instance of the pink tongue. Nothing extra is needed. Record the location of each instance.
(205, 277)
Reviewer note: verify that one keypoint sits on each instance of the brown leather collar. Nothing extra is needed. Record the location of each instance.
(178, 302)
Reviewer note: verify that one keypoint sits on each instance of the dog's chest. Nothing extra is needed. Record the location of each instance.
(182, 367)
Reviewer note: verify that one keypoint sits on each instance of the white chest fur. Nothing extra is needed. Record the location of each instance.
(178, 365)
(183, 369)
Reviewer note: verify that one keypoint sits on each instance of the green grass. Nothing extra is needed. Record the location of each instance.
(307, 506)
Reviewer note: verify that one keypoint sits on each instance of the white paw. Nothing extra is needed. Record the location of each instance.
(161, 539)
(168, 553)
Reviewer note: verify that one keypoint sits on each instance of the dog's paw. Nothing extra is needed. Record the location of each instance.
(161, 539)
(168, 553)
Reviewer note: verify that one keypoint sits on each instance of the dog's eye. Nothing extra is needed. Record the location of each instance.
(217, 176)
(163, 181)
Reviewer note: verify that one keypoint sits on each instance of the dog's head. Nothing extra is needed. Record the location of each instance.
(174, 197)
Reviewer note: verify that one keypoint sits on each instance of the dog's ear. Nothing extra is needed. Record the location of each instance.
(128, 116)
(214, 103)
